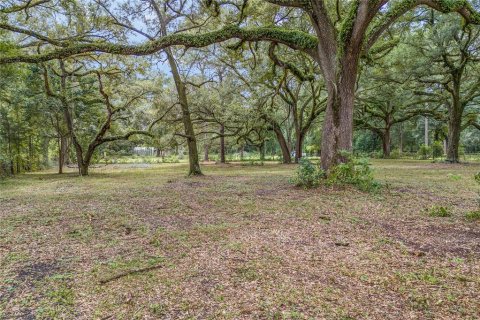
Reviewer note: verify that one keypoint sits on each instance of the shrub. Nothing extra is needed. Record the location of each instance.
(477, 178)
(308, 175)
(395, 154)
(424, 152)
(439, 211)
(437, 149)
(356, 172)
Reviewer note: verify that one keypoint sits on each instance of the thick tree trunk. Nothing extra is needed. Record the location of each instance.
(262, 151)
(386, 143)
(83, 169)
(222, 144)
(158, 153)
(337, 133)
(454, 131)
(283, 144)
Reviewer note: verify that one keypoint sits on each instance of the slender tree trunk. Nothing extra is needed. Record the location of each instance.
(193, 158)
(426, 131)
(62, 153)
(401, 138)
(46, 142)
(283, 144)
(222, 144)
(206, 147)
(242, 149)
(299, 146)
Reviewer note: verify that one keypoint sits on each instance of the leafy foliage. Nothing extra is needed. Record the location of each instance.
(308, 175)
(439, 211)
(355, 172)
(424, 152)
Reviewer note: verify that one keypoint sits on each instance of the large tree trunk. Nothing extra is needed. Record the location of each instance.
(454, 131)
(222, 144)
(283, 144)
(262, 151)
(83, 169)
(337, 133)
(386, 143)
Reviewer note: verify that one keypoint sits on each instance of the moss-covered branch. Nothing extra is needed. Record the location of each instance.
(293, 38)
(400, 8)
(26, 6)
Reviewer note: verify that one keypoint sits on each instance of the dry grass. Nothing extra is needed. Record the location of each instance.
(239, 243)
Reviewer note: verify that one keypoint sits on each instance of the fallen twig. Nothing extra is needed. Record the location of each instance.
(124, 274)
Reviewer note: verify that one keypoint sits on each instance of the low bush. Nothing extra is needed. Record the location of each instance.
(424, 152)
(308, 175)
(437, 149)
(395, 154)
(355, 172)
(439, 211)
(473, 215)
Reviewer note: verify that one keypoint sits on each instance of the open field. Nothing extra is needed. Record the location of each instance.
(239, 243)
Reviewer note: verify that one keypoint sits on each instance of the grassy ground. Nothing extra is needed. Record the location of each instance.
(239, 243)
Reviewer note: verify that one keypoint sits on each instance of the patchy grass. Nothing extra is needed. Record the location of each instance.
(239, 243)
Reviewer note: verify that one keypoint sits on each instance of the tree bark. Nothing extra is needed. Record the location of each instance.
(62, 153)
(454, 131)
(83, 169)
(386, 143)
(300, 136)
(205, 157)
(222, 144)
(337, 133)
(262, 151)
(283, 144)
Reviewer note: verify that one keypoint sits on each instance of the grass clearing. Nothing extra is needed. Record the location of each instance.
(239, 243)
